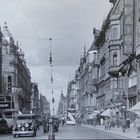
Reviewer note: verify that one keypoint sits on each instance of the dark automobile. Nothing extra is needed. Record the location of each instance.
(4, 128)
(56, 122)
(25, 125)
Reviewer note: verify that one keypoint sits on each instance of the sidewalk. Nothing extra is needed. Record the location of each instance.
(129, 133)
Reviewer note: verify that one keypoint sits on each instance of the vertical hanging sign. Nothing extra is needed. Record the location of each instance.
(128, 26)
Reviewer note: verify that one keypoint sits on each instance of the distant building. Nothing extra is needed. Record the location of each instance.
(35, 105)
(71, 95)
(44, 106)
(62, 107)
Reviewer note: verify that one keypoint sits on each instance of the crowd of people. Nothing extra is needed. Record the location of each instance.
(108, 123)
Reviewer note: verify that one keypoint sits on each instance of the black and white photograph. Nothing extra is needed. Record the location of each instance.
(69, 69)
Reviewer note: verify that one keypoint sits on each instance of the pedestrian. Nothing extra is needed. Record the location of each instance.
(102, 121)
(137, 126)
(113, 122)
(128, 123)
(106, 123)
(63, 122)
(109, 123)
(44, 123)
(37, 124)
(118, 122)
(123, 124)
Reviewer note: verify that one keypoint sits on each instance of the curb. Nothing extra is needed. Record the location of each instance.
(127, 137)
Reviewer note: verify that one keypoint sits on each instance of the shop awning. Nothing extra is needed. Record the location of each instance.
(136, 109)
(94, 114)
(108, 113)
(20, 113)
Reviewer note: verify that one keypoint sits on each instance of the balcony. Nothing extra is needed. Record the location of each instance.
(96, 63)
(114, 70)
(113, 1)
(95, 81)
(13, 62)
(115, 43)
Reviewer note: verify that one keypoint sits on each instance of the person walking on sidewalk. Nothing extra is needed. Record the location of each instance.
(109, 123)
(128, 123)
(123, 124)
(137, 126)
(106, 123)
(44, 123)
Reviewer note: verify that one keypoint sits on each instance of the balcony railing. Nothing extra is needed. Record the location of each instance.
(114, 70)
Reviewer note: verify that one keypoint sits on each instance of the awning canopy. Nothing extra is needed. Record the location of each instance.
(20, 113)
(94, 114)
(108, 113)
(136, 108)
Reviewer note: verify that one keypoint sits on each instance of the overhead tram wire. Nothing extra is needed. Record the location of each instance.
(52, 80)
(39, 38)
(43, 38)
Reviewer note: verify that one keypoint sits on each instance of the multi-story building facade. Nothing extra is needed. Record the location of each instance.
(87, 79)
(16, 79)
(108, 75)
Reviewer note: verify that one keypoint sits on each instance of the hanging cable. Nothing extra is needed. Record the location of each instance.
(52, 80)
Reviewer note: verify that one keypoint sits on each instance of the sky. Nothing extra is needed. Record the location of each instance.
(68, 22)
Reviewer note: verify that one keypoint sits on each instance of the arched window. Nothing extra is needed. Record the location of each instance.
(115, 63)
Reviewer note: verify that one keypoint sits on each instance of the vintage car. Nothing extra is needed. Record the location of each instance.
(25, 125)
(4, 128)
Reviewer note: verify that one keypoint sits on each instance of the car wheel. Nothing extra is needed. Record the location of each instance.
(14, 136)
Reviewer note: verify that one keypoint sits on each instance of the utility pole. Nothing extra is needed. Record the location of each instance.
(51, 135)
(51, 65)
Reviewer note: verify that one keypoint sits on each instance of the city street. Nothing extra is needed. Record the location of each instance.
(70, 132)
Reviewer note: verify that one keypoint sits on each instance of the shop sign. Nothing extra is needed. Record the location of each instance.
(4, 105)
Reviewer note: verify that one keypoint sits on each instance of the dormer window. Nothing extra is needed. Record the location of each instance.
(115, 63)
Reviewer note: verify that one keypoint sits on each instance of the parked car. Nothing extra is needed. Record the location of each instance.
(11, 122)
(4, 128)
(25, 125)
